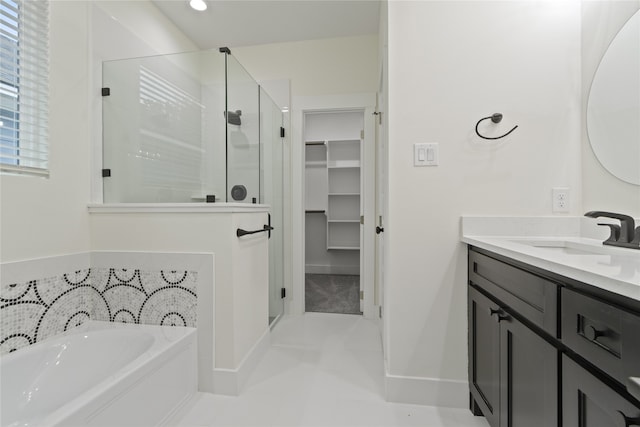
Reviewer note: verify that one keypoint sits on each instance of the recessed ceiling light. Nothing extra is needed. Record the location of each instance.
(199, 5)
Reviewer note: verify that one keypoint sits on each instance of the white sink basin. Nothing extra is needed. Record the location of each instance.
(565, 247)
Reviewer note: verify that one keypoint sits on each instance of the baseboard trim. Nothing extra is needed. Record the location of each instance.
(332, 269)
(230, 382)
(427, 391)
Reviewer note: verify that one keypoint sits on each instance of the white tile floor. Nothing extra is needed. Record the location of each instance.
(321, 370)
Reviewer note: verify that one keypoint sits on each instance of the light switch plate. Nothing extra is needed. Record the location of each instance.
(425, 154)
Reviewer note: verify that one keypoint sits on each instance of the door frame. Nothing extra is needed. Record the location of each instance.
(335, 103)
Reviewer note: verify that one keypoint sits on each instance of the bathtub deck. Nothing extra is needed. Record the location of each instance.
(322, 370)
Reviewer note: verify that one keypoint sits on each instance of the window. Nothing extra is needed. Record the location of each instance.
(24, 86)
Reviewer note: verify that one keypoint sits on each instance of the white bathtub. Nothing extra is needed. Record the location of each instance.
(100, 374)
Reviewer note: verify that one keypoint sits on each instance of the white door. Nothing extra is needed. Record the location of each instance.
(381, 192)
(367, 234)
(379, 212)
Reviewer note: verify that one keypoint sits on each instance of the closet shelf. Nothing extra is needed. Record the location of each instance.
(316, 163)
(333, 162)
(337, 164)
(344, 141)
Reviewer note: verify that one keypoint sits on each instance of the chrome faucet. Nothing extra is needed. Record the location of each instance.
(625, 235)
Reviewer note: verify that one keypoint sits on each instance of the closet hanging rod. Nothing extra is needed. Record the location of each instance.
(315, 143)
(314, 211)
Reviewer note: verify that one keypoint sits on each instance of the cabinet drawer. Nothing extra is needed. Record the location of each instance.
(587, 401)
(603, 334)
(531, 296)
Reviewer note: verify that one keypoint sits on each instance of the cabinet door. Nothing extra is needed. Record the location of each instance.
(484, 360)
(587, 401)
(528, 377)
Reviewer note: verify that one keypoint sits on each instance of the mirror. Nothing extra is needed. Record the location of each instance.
(613, 107)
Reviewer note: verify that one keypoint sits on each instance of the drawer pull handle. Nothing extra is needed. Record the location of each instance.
(628, 421)
(499, 313)
(593, 334)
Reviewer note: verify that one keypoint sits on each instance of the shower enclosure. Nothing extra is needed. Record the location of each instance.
(192, 128)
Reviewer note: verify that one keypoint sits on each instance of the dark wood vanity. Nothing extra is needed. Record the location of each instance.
(546, 350)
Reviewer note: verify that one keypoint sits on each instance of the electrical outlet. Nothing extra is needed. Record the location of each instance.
(560, 199)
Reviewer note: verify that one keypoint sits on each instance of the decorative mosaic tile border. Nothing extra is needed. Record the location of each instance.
(33, 310)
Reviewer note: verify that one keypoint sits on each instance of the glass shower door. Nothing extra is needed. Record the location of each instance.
(243, 135)
(255, 163)
(271, 171)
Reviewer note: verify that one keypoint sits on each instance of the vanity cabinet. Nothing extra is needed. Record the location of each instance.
(528, 377)
(588, 401)
(512, 369)
(484, 356)
(545, 350)
(607, 337)
(603, 334)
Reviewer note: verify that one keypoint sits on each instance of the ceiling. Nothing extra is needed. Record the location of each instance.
(235, 23)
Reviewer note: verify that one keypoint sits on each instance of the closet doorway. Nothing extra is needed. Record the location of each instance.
(334, 211)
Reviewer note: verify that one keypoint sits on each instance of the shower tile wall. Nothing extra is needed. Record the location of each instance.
(41, 305)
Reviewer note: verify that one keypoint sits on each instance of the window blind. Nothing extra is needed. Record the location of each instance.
(24, 86)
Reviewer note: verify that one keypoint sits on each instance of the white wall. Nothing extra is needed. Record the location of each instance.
(601, 21)
(250, 287)
(241, 293)
(450, 64)
(47, 217)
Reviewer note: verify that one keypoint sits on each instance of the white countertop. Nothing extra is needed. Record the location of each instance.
(610, 268)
